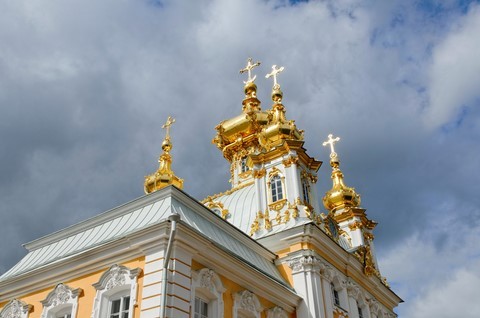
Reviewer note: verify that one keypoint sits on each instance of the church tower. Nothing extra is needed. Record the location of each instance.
(343, 205)
(272, 175)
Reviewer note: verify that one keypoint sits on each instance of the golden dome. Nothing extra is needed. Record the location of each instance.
(164, 176)
(339, 195)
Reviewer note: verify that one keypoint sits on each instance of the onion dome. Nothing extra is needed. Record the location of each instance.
(164, 176)
(340, 195)
(278, 127)
(239, 134)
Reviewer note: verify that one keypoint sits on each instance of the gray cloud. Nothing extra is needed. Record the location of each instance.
(86, 86)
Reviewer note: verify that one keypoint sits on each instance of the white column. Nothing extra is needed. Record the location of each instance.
(307, 283)
(326, 277)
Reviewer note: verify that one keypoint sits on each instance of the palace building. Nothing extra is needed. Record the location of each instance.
(268, 247)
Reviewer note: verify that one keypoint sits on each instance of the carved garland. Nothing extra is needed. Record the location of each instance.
(247, 302)
(61, 295)
(16, 309)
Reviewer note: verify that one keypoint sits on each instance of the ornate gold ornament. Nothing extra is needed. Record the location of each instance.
(293, 207)
(339, 196)
(257, 174)
(277, 205)
(215, 196)
(286, 216)
(164, 176)
(267, 222)
(250, 66)
(355, 226)
(368, 236)
(289, 161)
(245, 174)
(274, 73)
(254, 227)
(278, 218)
(219, 206)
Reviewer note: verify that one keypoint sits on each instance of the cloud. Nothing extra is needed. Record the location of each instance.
(455, 72)
(436, 271)
(85, 87)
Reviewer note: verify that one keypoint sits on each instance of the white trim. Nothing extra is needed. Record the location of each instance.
(61, 298)
(207, 284)
(116, 280)
(246, 304)
(15, 309)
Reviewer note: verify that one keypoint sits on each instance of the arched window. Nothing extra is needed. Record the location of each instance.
(243, 165)
(335, 295)
(116, 293)
(207, 294)
(276, 188)
(61, 302)
(306, 191)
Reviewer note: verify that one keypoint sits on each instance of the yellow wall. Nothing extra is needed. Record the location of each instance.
(232, 288)
(85, 301)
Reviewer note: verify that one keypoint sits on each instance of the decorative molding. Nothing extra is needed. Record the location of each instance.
(209, 284)
(374, 306)
(353, 290)
(116, 278)
(62, 296)
(257, 174)
(289, 161)
(16, 309)
(304, 263)
(277, 312)
(246, 302)
(278, 205)
(207, 278)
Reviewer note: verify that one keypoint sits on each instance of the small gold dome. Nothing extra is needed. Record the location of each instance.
(339, 195)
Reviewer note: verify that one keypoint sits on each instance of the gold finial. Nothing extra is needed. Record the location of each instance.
(331, 141)
(274, 73)
(340, 195)
(167, 126)
(250, 66)
(164, 175)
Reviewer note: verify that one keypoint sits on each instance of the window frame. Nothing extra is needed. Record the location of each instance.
(335, 295)
(61, 300)
(306, 191)
(275, 183)
(246, 305)
(207, 286)
(117, 281)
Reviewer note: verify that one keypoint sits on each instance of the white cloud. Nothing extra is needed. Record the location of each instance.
(455, 71)
(437, 271)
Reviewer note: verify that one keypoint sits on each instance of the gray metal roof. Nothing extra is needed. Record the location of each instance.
(130, 218)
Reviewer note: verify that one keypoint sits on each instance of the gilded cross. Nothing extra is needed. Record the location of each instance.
(274, 73)
(167, 126)
(331, 141)
(250, 66)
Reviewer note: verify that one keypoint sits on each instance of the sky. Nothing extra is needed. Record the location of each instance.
(85, 87)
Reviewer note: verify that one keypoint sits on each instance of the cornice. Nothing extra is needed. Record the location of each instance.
(328, 251)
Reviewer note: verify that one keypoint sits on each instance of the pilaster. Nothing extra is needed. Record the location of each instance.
(307, 283)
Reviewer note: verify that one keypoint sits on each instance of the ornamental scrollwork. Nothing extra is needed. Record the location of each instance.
(15, 309)
(304, 263)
